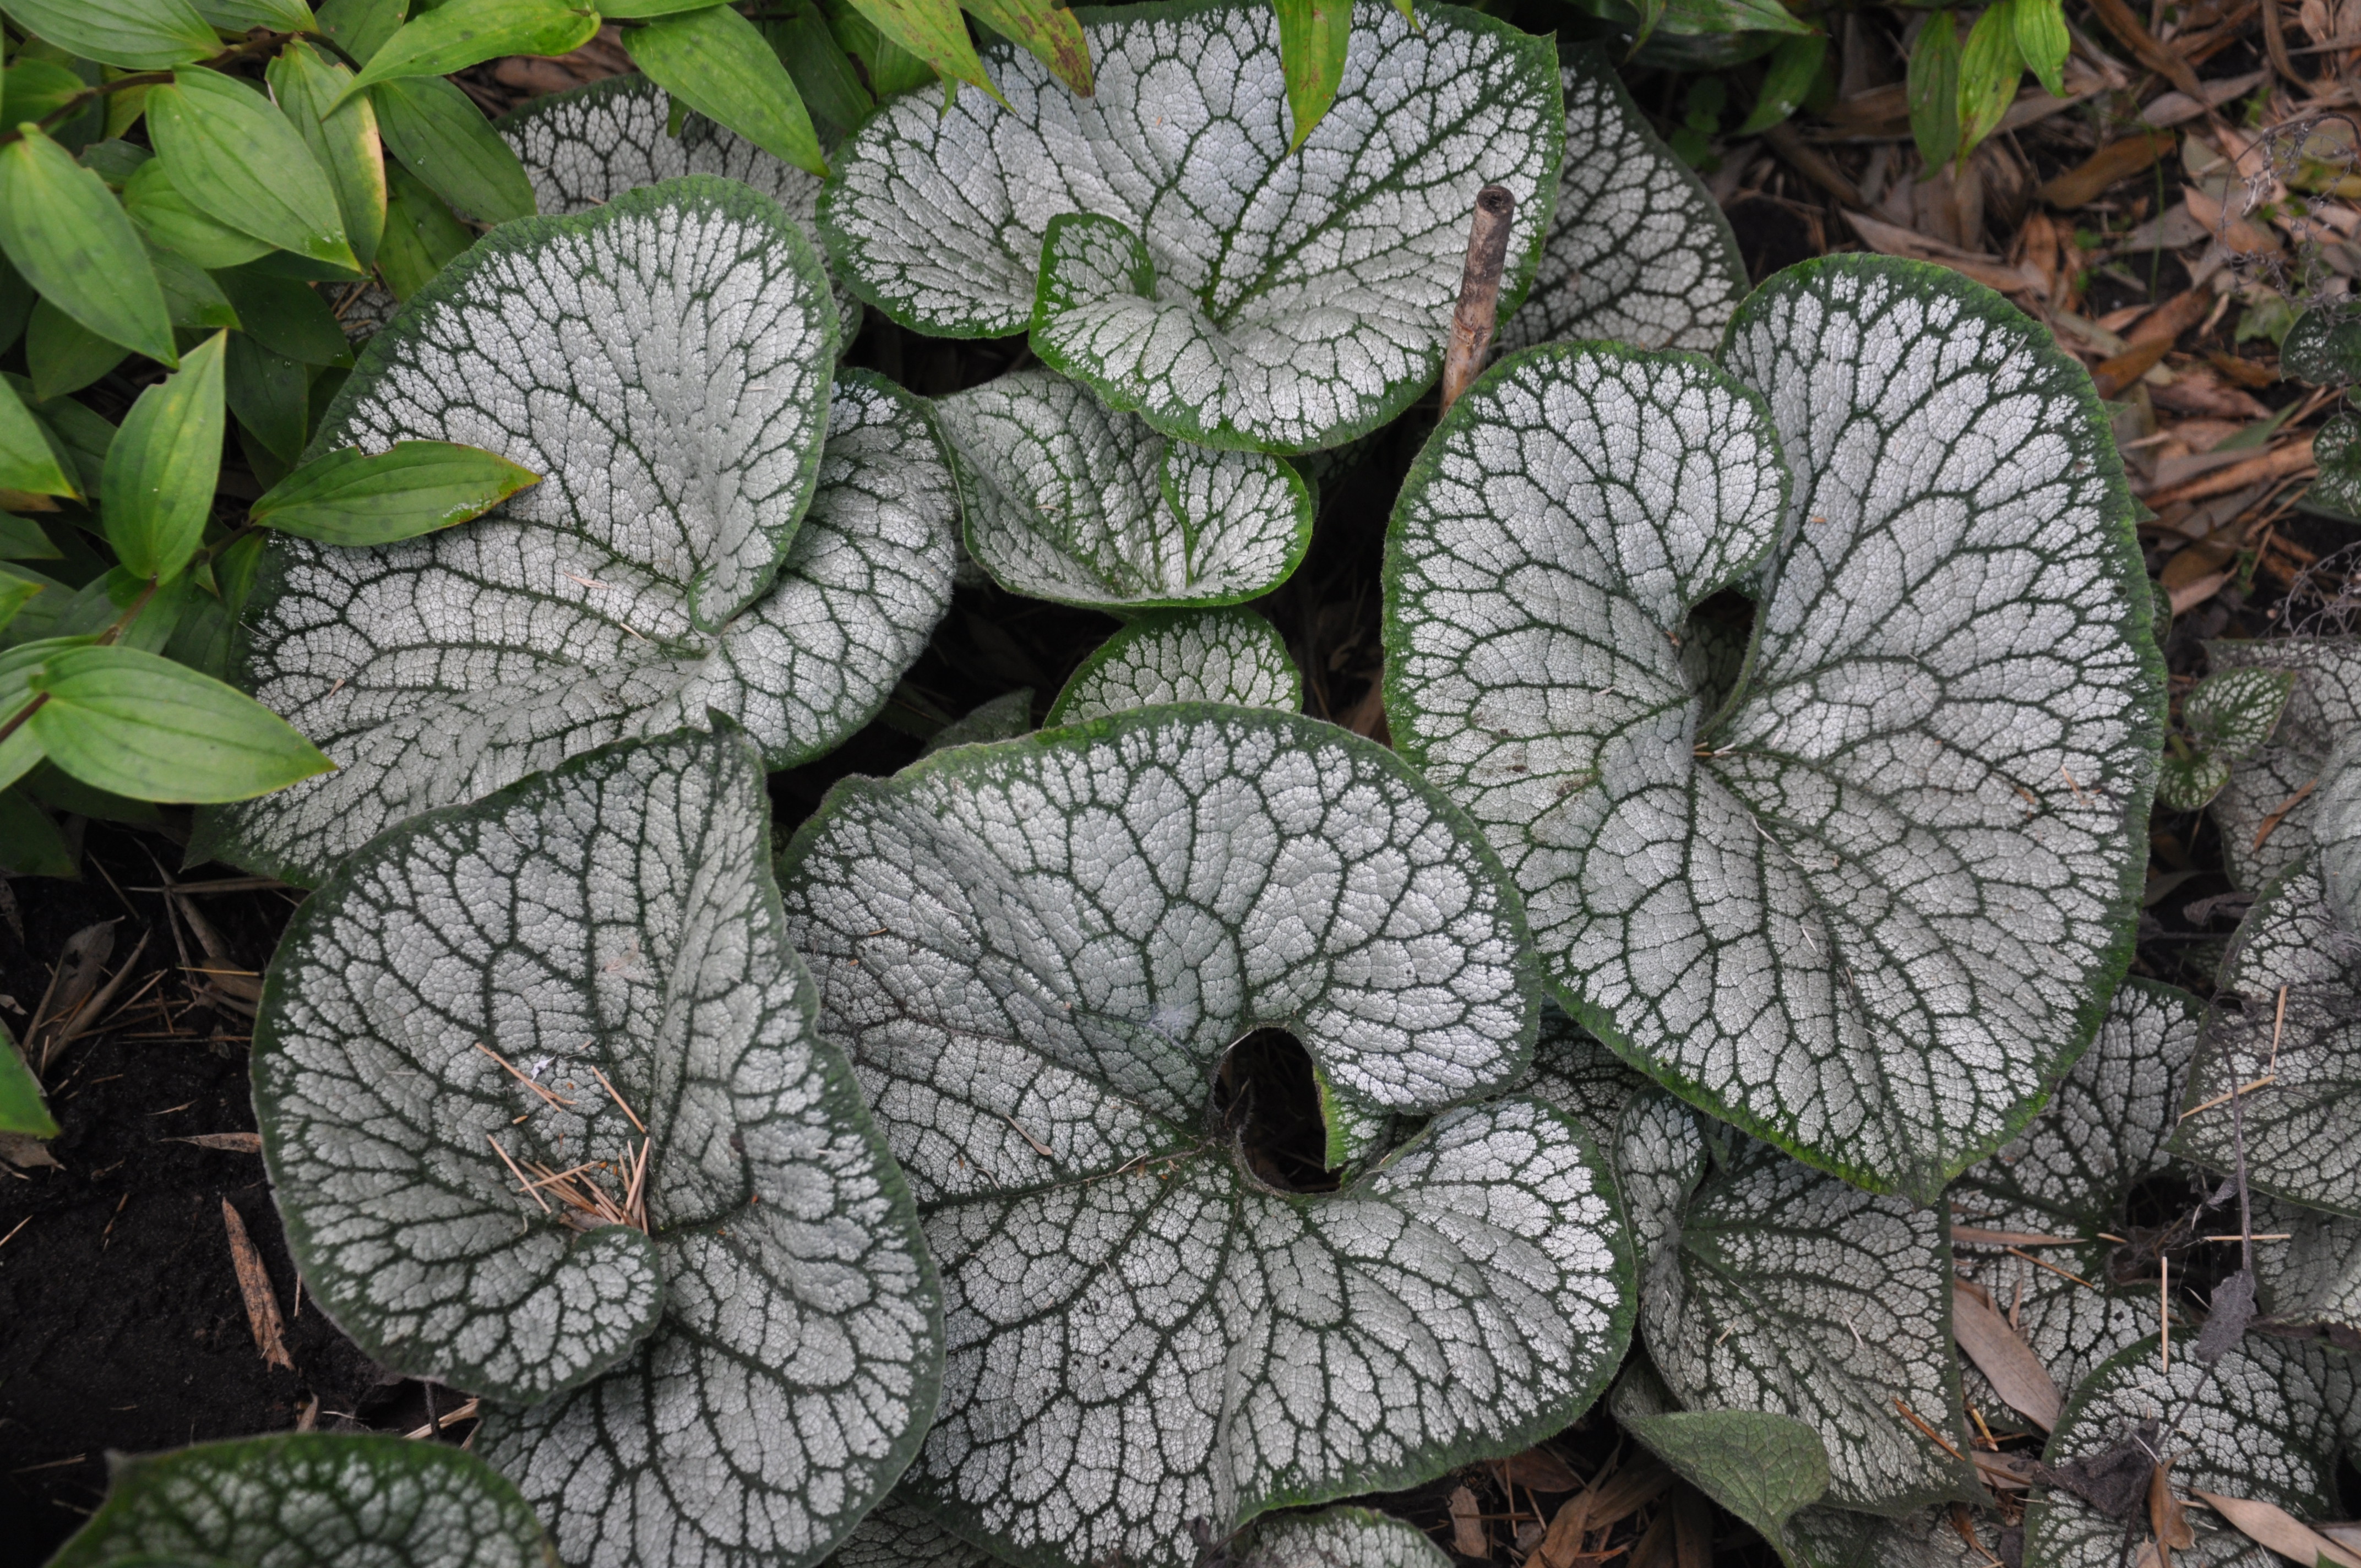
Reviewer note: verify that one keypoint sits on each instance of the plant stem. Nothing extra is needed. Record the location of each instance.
(1479, 290)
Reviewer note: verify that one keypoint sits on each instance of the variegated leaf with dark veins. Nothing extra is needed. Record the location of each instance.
(1227, 655)
(2266, 810)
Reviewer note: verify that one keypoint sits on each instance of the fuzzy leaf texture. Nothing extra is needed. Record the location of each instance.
(1228, 290)
(1037, 954)
(1863, 884)
(740, 1380)
(2265, 811)
(1227, 655)
(664, 361)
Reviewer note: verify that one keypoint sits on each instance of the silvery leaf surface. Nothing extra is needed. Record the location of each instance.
(737, 1381)
(2260, 1422)
(1230, 291)
(2314, 1277)
(2296, 1127)
(1639, 250)
(311, 1500)
(2336, 824)
(2235, 710)
(1841, 1538)
(2322, 710)
(1867, 904)
(1793, 1292)
(1037, 955)
(1581, 1077)
(898, 1535)
(1338, 1538)
(1071, 501)
(2190, 782)
(2069, 1175)
(665, 362)
(1226, 655)
(1659, 1157)
(587, 146)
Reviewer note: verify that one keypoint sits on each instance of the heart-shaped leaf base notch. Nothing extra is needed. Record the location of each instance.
(666, 361)
(546, 1118)
(1137, 1001)
(1229, 655)
(1069, 500)
(2265, 811)
(309, 1498)
(1230, 287)
(1827, 802)
(587, 147)
(1639, 251)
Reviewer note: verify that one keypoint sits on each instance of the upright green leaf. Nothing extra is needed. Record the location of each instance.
(27, 463)
(1313, 38)
(440, 136)
(270, 395)
(162, 469)
(349, 497)
(461, 33)
(1989, 68)
(169, 220)
(64, 229)
(1761, 1466)
(238, 160)
(1055, 39)
(1229, 655)
(360, 27)
(64, 355)
(1933, 90)
(823, 73)
(312, 1499)
(144, 727)
(2039, 29)
(421, 235)
(716, 62)
(30, 845)
(22, 1111)
(289, 316)
(934, 31)
(891, 70)
(243, 16)
(342, 136)
(137, 34)
(1795, 66)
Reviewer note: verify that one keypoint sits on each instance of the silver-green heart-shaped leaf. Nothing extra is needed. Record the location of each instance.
(1229, 287)
(2067, 1178)
(2280, 1072)
(2189, 782)
(2266, 811)
(1069, 500)
(1581, 1077)
(1226, 655)
(310, 1500)
(2261, 1422)
(2324, 346)
(1639, 250)
(587, 146)
(2314, 1277)
(2231, 712)
(1841, 1538)
(2336, 447)
(1857, 879)
(714, 1281)
(665, 362)
(2336, 824)
(1660, 1155)
(1039, 956)
(1792, 1292)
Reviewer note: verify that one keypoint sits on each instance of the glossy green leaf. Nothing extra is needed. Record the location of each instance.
(271, 396)
(30, 845)
(137, 34)
(63, 356)
(171, 220)
(1795, 66)
(349, 497)
(460, 33)
(37, 89)
(1989, 68)
(1933, 89)
(343, 137)
(162, 469)
(82, 434)
(825, 78)
(423, 236)
(243, 16)
(718, 63)
(440, 136)
(1227, 655)
(312, 1499)
(193, 299)
(289, 317)
(1312, 38)
(64, 229)
(933, 31)
(1761, 1466)
(26, 461)
(360, 27)
(142, 726)
(2039, 29)
(238, 161)
(1055, 39)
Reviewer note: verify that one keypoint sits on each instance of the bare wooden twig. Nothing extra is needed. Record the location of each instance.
(1479, 290)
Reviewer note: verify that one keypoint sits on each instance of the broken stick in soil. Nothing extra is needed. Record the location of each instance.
(1479, 292)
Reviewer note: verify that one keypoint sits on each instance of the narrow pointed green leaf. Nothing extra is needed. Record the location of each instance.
(17, 588)
(2042, 40)
(718, 63)
(360, 27)
(169, 219)
(423, 236)
(343, 137)
(2266, 811)
(349, 497)
(22, 1111)
(236, 160)
(290, 317)
(1795, 65)
(1227, 655)
(1050, 32)
(890, 70)
(831, 89)
(1989, 68)
(142, 726)
(26, 461)
(461, 33)
(137, 34)
(310, 1497)
(1313, 38)
(243, 16)
(21, 538)
(193, 299)
(269, 394)
(1933, 90)
(1761, 1466)
(80, 436)
(64, 229)
(161, 468)
(932, 30)
(63, 356)
(30, 845)
(440, 136)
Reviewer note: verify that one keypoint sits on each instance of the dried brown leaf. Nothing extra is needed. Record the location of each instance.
(2003, 1357)
(254, 1283)
(2268, 1524)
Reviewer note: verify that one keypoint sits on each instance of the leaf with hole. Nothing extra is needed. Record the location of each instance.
(1229, 655)
(310, 1498)
(2266, 811)
(1068, 501)
(1828, 800)
(1227, 290)
(546, 1117)
(1138, 1003)
(665, 361)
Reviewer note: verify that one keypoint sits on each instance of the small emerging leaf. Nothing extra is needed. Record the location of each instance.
(2039, 29)
(461, 33)
(1989, 68)
(22, 1109)
(718, 63)
(162, 465)
(144, 727)
(2324, 346)
(2232, 712)
(238, 161)
(2336, 447)
(1934, 90)
(1795, 66)
(64, 229)
(1229, 655)
(348, 497)
(2266, 811)
(137, 35)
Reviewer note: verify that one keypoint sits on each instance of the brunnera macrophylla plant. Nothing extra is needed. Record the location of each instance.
(1226, 655)
(310, 1500)
(1168, 245)
(1075, 973)
(2264, 808)
(547, 1119)
(728, 523)
(1808, 697)
(900, 1536)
